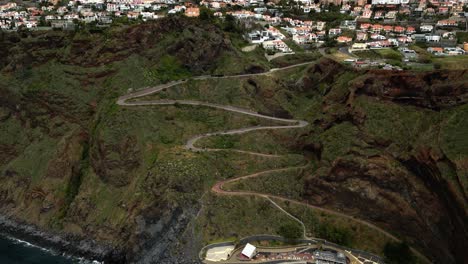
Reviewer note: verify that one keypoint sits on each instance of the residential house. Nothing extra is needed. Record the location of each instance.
(366, 14)
(426, 28)
(404, 39)
(388, 28)
(334, 31)
(359, 64)
(380, 44)
(301, 30)
(308, 23)
(361, 36)
(435, 50)
(453, 51)
(176, 9)
(377, 28)
(379, 15)
(344, 39)
(112, 7)
(356, 11)
(133, 15)
(63, 24)
(275, 33)
(358, 46)
(376, 36)
(305, 39)
(399, 30)
(321, 34)
(443, 10)
(148, 15)
(276, 45)
(365, 26)
(447, 23)
(192, 12)
(432, 38)
(390, 15)
(410, 30)
(348, 24)
(242, 14)
(320, 25)
(259, 37)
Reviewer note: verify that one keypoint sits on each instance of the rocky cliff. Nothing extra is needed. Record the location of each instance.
(400, 170)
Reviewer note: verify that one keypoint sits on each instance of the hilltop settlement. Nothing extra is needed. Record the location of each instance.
(279, 26)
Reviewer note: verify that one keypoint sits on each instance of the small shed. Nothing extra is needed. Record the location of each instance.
(249, 251)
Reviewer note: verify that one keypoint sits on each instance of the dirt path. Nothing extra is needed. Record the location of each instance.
(289, 124)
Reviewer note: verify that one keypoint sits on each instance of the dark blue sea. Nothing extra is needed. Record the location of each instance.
(13, 251)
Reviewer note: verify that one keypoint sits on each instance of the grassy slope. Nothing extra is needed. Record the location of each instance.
(407, 127)
(77, 95)
(225, 217)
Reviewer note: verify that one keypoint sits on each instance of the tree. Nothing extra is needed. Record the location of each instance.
(398, 253)
(42, 21)
(290, 231)
(206, 14)
(330, 42)
(337, 235)
(230, 24)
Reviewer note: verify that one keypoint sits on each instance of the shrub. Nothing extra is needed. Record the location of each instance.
(290, 231)
(400, 253)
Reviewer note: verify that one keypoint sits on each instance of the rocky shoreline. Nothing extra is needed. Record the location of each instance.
(65, 243)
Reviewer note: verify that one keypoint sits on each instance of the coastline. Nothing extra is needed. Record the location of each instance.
(67, 244)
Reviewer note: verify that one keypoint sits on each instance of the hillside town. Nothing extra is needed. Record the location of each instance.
(439, 26)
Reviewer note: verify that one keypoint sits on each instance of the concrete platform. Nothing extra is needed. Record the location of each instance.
(219, 253)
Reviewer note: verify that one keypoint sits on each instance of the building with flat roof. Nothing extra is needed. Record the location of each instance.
(249, 251)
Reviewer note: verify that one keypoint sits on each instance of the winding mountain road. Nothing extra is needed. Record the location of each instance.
(289, 124)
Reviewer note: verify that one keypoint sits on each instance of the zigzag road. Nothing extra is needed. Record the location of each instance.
(289, 124)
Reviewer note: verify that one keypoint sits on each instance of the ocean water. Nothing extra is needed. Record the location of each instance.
(13, 251)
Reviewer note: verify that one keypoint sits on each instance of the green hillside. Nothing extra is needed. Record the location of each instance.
(388, 148)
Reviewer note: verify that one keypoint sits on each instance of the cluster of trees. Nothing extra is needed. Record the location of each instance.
(228, 23)
(290, 231)
(340, 236)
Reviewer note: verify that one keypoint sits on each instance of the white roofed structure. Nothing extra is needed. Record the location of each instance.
(249, 251)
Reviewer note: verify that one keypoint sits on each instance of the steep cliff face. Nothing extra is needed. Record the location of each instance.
(75, 164)
(395, 172)
(434, 90)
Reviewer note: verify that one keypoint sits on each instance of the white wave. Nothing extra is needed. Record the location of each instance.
(79, 260)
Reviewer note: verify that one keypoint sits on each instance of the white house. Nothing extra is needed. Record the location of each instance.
(426, 28)
(432, 38)
(377, 36)
(258, 37)
(276, 45)
(454, 51)
(358, 46)
(305, 39)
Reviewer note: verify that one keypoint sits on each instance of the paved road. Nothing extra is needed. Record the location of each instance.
(289, 124)
(345, 50)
